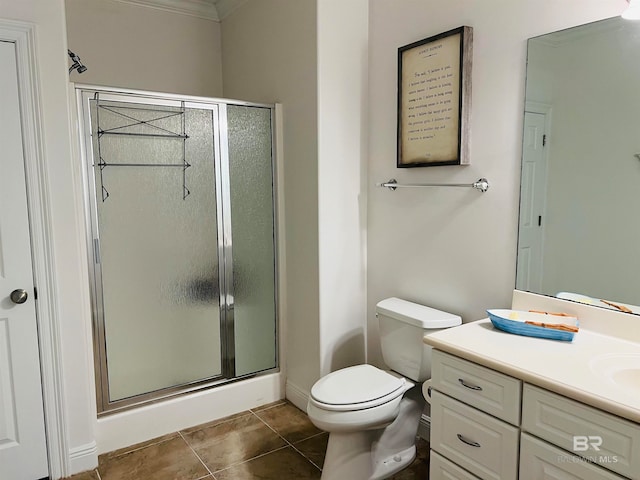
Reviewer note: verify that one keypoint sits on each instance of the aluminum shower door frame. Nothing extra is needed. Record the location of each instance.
(84, 93)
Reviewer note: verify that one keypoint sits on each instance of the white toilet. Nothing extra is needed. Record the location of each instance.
(372, 415)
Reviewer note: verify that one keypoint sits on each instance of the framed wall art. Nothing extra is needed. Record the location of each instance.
(434, 100)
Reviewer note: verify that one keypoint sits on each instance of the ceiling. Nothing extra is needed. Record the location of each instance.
(210, 9)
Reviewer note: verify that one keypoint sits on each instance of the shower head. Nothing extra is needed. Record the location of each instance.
(77, 64)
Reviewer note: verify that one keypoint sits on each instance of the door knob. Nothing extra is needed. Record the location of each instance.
(19, 296)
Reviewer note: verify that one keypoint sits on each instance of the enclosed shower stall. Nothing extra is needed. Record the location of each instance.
(181, 207)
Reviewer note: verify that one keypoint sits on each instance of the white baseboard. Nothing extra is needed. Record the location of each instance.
(424, 429)
(150, 421)
(296, 395)
(83, 458)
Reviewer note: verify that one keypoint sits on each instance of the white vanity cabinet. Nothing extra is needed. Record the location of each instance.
(475, 417)
(479, 443)
(490, 391)
(440, 467)
(490, 426)
(541, 461)
(604, 439)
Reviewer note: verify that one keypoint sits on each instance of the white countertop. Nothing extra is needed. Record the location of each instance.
(561, 367)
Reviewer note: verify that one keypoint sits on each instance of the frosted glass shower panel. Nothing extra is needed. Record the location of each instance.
(252, 221)
(158, 235)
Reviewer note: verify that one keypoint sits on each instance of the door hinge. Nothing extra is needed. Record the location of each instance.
(539, 220)
(544, 140)
(35, 293)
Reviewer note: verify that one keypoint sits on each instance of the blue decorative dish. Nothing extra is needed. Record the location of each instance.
(513, 321)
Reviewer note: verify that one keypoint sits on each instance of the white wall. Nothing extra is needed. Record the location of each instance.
(132, 46)
(343, 36)
(448, 248)
(68, 234)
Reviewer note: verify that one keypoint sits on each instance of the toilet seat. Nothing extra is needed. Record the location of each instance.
(357, 388)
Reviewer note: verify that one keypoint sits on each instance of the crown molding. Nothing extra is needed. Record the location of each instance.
(227, 7)
(196, 8)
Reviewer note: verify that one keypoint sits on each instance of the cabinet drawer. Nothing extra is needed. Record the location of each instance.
(541, 461)
(602, 438)
(442, 469)
(479, 443)
(483, 388)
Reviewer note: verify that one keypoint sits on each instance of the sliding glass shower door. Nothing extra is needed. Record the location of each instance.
(180, 197)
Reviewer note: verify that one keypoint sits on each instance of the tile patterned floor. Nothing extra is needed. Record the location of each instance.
(273, 442)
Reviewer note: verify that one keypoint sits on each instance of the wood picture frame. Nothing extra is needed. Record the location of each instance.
(434, 100)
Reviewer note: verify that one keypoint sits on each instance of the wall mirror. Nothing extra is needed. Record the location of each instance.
(579, 226)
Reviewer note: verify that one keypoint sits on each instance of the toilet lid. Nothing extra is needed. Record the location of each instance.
(353, 385)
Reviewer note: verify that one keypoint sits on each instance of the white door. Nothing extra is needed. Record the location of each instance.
(23, 453)
(532, 204)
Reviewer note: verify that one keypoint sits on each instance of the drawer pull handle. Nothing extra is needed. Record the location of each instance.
(467, 385)
(468, 442)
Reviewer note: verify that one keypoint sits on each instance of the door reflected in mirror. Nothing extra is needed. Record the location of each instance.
(579, 227)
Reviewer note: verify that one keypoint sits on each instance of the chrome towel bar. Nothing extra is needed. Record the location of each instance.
(481, 184)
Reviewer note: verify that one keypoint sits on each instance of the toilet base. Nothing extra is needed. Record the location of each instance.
(376, 454)
(393, 464)
(350, 456)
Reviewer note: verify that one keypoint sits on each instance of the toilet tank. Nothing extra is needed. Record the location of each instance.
(403, 325)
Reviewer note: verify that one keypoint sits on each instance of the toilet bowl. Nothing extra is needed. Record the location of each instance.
(372, 415)
(356, 398)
